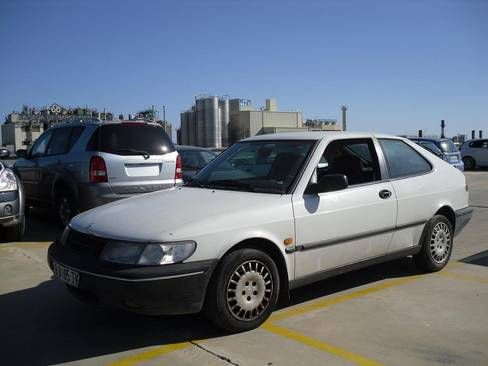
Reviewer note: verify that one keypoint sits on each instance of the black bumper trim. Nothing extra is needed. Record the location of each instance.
(463, 216)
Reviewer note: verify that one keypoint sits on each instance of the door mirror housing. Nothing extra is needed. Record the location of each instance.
(4, 153)
(22, 153)
(328, 183)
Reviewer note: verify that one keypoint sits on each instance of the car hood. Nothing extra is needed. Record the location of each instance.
(178, 214)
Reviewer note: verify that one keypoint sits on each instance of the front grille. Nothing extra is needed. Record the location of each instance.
(85, 243)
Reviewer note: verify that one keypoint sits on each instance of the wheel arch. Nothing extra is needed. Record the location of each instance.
(448, 212)
(270, 248)
(61, 183)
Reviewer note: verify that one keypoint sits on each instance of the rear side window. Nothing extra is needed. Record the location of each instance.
(403, 160)
(130, 139)
(75, 135)
(479, 144)
(59, 143)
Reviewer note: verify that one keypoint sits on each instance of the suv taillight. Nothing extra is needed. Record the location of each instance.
(98, 170)
(179, 168)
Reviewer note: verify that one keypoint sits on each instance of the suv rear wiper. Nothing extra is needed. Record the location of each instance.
(139, 152)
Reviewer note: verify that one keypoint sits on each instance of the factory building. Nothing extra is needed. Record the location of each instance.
(21, 129)
(321, 125)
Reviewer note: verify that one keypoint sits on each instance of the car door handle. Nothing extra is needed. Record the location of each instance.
(385, 194)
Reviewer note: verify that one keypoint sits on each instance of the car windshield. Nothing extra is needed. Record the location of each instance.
(196, 159)
(431, 146)
(447, 146)
(256, 166)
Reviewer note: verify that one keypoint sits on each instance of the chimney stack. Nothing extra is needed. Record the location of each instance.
(344, 121)
(443, 126)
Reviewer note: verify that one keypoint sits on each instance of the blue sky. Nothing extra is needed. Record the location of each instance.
(398, 65)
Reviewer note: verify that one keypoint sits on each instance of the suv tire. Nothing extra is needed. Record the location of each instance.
(65, 206)
(243, 292)
(437, 245)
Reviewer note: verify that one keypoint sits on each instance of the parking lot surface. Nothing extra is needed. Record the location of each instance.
(389, 314)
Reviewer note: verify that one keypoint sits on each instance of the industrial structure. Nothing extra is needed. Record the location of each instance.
(21, 129)
(152, 115)
(218, 122)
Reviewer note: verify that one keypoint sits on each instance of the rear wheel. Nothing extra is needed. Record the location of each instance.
(469, 163)
(437, 246)
(243, 291)
(65, 207)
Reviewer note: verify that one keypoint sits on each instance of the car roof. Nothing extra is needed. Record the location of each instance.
(319, 135)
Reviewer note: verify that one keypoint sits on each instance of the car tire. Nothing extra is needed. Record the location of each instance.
(469, 163)
(437, 245)
(65, 206)
(15, 232)
(243, 291)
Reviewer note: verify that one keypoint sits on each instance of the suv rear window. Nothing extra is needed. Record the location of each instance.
(129, 139)
(447, 146)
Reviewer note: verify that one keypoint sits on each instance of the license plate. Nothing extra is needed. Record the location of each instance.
(66, 275)
(454, 159)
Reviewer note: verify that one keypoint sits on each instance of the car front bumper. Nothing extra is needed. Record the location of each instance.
(11, 212)
(463, 216)
(153, 290)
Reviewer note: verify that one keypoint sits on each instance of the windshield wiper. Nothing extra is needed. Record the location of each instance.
(139, 152)
(228, 183)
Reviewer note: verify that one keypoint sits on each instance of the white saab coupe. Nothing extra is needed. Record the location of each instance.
(271, 213)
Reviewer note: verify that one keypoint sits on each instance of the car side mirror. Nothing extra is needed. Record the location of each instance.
(328, 183)
(22, 153)
(4, 153)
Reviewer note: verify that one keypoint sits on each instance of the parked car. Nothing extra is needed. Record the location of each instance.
(271, 213)
(475, 153)
(450, 151)
(83, 164)
(12, 220)
(431, 147)
(193, 159)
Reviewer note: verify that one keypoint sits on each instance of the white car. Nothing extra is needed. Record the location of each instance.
(271, 213)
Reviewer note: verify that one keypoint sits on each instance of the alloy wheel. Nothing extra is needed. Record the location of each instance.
(249, 290)
(440, 242)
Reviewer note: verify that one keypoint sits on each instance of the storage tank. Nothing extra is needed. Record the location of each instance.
(224, 120)
(212, 123)
(200, 122)
(184, 128)
(192, 128)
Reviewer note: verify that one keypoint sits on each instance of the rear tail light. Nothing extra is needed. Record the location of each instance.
(179, 168)
(98, 170)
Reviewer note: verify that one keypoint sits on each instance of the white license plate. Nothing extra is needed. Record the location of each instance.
(66, 275)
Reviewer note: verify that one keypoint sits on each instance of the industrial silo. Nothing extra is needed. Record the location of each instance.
(224, 120)
(192, 127)
(184, 128)
(200, 122)
(212, 123)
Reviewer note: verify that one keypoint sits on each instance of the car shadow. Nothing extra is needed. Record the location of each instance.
(44, 325)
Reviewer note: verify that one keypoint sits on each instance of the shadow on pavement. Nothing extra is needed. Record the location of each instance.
(480, 259)
(44, 325)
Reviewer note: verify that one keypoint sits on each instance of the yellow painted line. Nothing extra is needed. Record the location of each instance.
(318, 305)
(148, 355)
(320, 345)
(460, 276)
(29, 245)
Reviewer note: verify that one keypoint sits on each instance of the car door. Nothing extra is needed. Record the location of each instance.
(414, 187)
(335, 229)
(51, 163)
(483, 154)
(29, 169)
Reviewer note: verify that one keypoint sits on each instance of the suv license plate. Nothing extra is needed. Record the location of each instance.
(66, 275)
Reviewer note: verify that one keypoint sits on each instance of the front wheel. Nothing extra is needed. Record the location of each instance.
(437, 246)
(244, 290)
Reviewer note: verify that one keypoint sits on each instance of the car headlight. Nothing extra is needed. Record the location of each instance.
(8, 181)
(147, 254)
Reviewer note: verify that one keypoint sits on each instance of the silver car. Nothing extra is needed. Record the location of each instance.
(86, 163)
(12, 222)
(475, 153)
